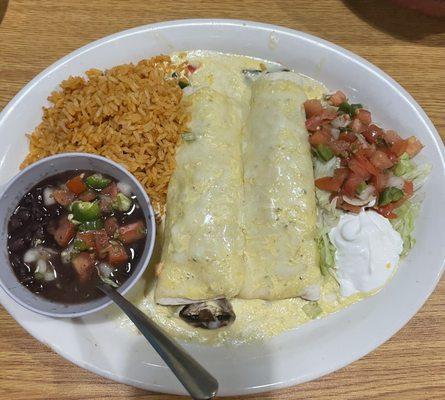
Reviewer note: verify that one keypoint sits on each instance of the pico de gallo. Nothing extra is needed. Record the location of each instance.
(72, 230)
(371, 160)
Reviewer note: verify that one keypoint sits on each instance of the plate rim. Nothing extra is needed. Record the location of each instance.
(237, 23)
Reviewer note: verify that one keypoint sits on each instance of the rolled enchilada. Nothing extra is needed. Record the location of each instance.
(241, 204)
(281, 257)
(203, 247)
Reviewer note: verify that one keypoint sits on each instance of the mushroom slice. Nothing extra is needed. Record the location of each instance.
(211, 314)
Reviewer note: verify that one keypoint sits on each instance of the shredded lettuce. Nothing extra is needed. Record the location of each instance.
(404, 224)
(404, 165)
(327, 252)
(418, 175)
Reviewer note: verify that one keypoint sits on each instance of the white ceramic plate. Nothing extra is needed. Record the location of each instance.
(100, 345)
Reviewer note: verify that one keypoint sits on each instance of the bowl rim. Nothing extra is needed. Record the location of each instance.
(270, 28)
(132, 279)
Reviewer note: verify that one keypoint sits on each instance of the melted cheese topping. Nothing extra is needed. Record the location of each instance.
(255, 319)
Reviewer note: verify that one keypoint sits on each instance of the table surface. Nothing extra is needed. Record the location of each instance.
(408, 46)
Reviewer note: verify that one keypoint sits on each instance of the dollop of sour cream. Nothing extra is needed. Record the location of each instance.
(367, 251)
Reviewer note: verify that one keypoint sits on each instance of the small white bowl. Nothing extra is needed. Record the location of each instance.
(21, 184)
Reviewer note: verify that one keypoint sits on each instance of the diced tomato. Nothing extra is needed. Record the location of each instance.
(64, 197)
(339, 146)
(132, 232)
(380, 160)
(390, 154)
(102, 243)
(357, 125)
(83, 264)
(76, 185)
(399, 147)
(313, 107)
(87, 238)
(372, 132)
(380, 181)
(408, 188)
(341, 174)
(347, 137)
(351, 184)
(117, 255)
(364, 116)
(387, 211)
(359, 169)
(64, 232)
(414, 146)
(328, 183)
(315, 121)
(368, 165)
(319, 137)
(337, 98)
(111, 226)
(191, 68)
(111, 190)
(88, 195)
(392, 137)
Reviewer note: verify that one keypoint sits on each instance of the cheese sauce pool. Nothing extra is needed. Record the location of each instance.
(255, 319)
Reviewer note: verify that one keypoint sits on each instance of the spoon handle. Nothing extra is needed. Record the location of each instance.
(196, 380)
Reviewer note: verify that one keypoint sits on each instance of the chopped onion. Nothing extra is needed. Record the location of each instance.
(335, 133)
(31, 256)
(396, 181)
(49, 276)
(48, 198)
(358, 202)
(42, 266)
(104, 270)
(125, 188)
(367, 193)
(341, 121)
(65, 255)
(362, 140)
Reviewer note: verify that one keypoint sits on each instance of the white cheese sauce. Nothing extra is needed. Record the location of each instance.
(367, 251)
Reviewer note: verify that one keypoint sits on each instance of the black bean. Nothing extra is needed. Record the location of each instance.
(15, 223)
(17, 245)
(24, 214)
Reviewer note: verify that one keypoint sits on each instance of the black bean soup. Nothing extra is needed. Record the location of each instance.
(73, 230)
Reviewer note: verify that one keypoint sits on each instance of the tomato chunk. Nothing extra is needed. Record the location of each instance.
(132, 232)
(372, 133)
(111, 190)
(392, 137)
(351, 184)
(414, 146)
(83, 264)
(64, 232)
(408, 188)
(64, 197)
(328, 183)
(76, 185)
(102, 243)
(364, 116)
(117, 255)
(88, 195)
(339, 146)
(337, 98)
(88, 238)
(358, 168)
(387, 211)
(312, 107)
(111, 226)
(399, 147)
(319, 137)
(380, 160)
(357, 126)
(380, 181)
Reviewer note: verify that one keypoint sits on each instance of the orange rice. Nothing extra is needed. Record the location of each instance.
(131, 114)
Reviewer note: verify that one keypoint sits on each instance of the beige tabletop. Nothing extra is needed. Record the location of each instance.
(407, 45)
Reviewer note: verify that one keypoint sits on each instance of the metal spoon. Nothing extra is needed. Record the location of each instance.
(196, 380)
